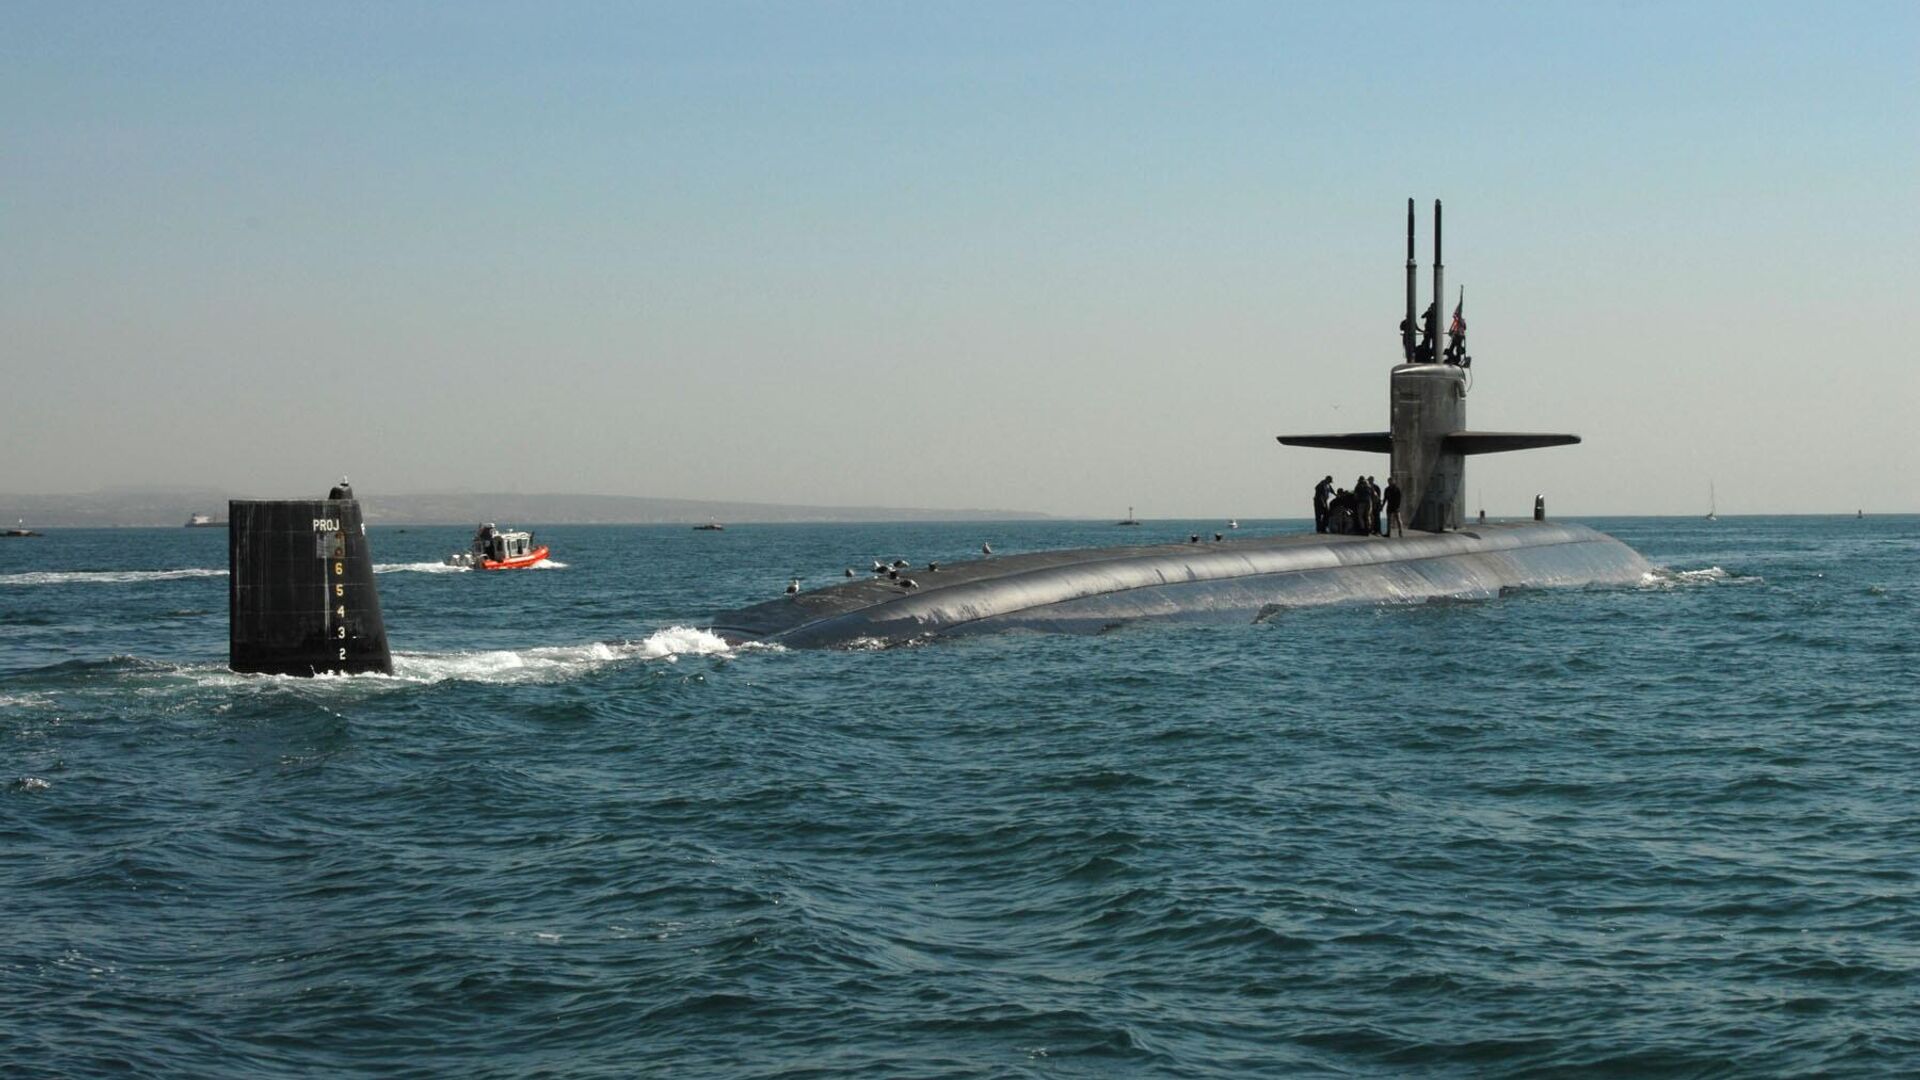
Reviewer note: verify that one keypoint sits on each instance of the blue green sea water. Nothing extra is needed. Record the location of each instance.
(1664, 830)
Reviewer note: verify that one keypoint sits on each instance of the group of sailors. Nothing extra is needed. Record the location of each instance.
(1363, 510)
(1428, 349)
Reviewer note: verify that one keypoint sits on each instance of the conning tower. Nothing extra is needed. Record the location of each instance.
(1428, 438)
(300, 598)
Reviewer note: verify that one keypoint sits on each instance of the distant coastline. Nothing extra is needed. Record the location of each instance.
(136, 508)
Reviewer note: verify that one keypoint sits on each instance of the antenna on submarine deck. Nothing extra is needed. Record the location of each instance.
(1413, 269)
(1439, 288)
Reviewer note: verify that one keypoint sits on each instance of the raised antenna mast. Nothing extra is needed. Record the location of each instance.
(1439, 289)
(1413, 269)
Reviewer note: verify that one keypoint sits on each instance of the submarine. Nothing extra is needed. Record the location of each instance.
(1248, 579)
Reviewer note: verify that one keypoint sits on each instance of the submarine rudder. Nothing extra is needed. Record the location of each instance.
(300, 591)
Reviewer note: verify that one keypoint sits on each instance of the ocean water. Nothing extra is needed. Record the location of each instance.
(1666, 830)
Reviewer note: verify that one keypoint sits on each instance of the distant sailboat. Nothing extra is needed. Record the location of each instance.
(1713, 504)
(1130, 519)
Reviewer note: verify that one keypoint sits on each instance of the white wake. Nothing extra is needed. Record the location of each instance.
(557, 663)
(1662, 577)
(541, 664)
(105, 577)
(443, 568)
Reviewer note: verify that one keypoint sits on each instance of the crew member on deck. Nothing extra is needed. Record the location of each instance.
(1393, 509)
(1322, 495)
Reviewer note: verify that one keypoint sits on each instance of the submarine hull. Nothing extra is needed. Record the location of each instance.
(1243, 579)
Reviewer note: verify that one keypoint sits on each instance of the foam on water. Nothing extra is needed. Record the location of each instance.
(540, 664)
(1664, 577)
(107, 577)
(555, 663)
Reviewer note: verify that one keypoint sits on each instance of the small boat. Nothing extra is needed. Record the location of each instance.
(19, 530)
(1130, 519)
(1233, 523)
(711, 526)
(495, 548)
(204, 521)
(1713, 503)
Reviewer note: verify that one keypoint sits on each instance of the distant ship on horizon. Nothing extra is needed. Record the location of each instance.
(204, 521)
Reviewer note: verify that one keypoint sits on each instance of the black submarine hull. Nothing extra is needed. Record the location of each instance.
(1090, 590)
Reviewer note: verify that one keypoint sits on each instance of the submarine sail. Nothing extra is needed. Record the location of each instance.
(1429, 440)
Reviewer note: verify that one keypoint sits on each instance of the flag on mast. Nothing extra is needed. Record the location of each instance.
(1459, 325)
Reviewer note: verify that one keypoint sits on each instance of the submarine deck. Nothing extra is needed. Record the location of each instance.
(1089, 589)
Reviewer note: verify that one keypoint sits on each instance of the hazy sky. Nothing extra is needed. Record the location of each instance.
(1058, 257)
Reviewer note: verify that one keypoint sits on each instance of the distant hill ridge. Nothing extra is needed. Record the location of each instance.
(148, 507)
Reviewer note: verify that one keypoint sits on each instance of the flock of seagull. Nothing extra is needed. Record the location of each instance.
(892, 572)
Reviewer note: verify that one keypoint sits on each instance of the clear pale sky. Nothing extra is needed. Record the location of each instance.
(1057, 257)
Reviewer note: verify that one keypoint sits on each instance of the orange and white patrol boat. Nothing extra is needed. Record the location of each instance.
(494, 548)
